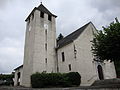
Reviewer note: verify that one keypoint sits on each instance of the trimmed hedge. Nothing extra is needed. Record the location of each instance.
(74, 78)
(41, 80)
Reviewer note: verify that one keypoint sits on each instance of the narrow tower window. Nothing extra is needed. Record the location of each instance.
(63, 57)
(46, 60)
(46, 34)
(46, 46)
(69, 67)
(42, 15)
(49, 18)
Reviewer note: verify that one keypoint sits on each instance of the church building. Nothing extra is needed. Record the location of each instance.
(43, 53)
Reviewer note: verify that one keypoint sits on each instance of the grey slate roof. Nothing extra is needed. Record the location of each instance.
(71, 37)
(42, 8)
(18, 67)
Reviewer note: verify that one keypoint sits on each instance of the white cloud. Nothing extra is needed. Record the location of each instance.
(11, 54)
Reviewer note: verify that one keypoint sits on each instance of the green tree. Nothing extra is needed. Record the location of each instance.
(106, 44)
(60, 37)
(8, 78)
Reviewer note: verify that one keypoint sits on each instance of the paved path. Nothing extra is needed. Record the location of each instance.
(117, 87)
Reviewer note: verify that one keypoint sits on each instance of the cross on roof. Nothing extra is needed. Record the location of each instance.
(41, 1)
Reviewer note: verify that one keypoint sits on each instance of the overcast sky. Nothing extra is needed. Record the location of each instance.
(72, 14)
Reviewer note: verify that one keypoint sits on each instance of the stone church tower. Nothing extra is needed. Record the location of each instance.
(40, 43)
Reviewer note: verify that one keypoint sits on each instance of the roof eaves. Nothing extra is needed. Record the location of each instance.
(18, 67)
(64, 44)
(30, 14)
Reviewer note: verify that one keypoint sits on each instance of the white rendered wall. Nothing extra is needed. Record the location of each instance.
(28, 53)
(110, 70)
(84, 56)
(40, 52)
(83, 61)
(16, 76)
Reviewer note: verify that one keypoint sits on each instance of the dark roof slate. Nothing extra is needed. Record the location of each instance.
(71, 37)
(42, 8)
(18, 67)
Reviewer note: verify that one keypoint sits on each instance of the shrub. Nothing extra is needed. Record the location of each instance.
(40, 80)
(6, 79)
(74, 78)
(36, 80)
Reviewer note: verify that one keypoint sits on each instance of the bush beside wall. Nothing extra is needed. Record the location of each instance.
(6, 79)
(41, 80)
(74, 78)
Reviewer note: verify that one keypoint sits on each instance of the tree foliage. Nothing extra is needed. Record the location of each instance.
(60, 37)
(6, 79)
(106, 43)
(6, 76)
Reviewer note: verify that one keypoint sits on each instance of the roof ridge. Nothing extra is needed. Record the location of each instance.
(41, 5)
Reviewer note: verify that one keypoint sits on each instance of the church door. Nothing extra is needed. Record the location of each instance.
(100, 72)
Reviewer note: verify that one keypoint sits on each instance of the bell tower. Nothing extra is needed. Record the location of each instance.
(40, 43)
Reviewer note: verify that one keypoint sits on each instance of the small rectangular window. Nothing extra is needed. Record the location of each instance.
(63, 57)
(46, 34)
(42, 15)
(46, 46)
(69, 67)
(46, 60)
(49, 17)
(75, 51)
